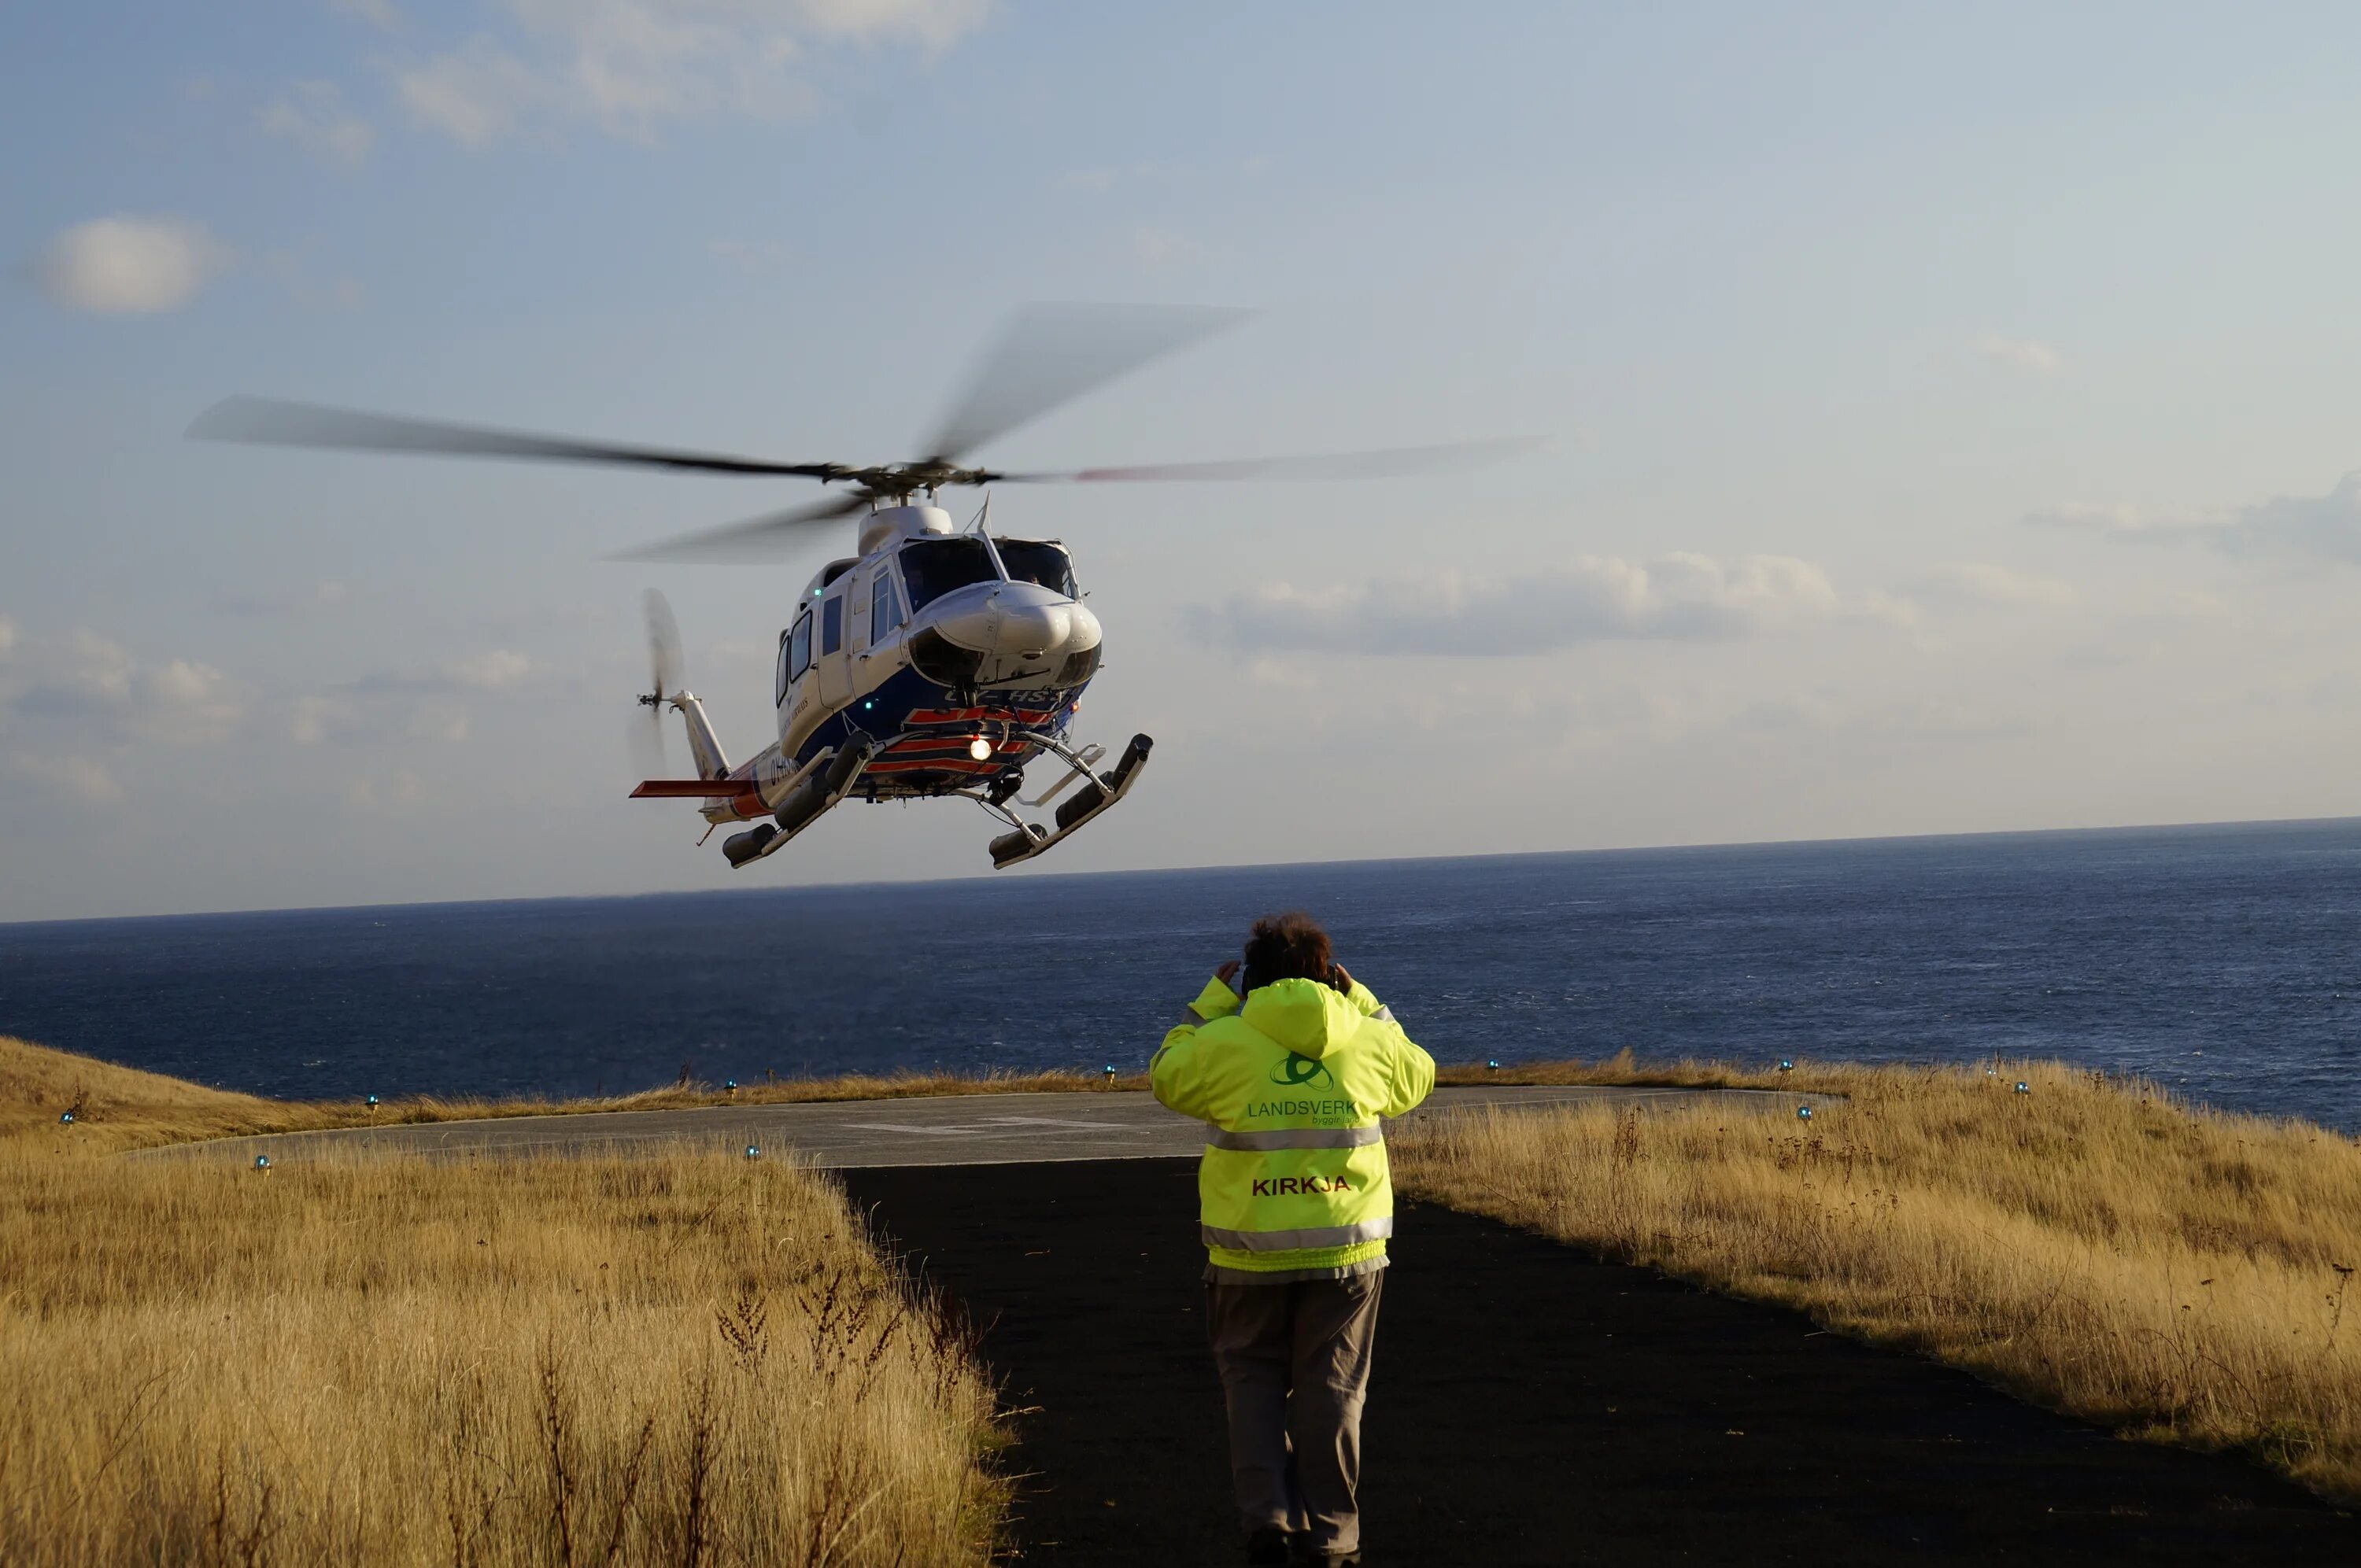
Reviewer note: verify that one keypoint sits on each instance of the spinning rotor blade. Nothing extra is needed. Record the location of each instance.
(269, 422)
(645, 738)
(665, 660)
(1049, 354)
(1389, 462)
(758, 538)
(666, 671)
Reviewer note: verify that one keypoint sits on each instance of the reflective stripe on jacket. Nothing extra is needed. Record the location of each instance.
(1291, 1087)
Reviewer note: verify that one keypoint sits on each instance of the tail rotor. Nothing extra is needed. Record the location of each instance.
(667, 676)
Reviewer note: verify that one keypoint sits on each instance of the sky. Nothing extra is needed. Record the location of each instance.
(1948, 418)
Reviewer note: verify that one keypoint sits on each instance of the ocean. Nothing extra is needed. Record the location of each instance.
(2219, 961)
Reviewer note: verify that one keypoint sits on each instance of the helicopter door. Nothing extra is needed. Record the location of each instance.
(830, 657)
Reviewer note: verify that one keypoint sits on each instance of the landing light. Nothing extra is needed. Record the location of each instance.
(980, 749)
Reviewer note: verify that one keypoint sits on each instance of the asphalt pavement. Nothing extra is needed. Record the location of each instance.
(1533, 1404)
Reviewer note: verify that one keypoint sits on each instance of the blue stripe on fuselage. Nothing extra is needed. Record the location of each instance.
(884, 713)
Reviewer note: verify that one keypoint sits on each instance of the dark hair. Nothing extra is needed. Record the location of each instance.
(1287, 946)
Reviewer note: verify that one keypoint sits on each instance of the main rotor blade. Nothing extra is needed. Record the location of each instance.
(1047, 355)
(1389, 462)
(271, 422)
(756, 539)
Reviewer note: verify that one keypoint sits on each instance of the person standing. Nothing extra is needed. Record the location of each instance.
(1291, 1063)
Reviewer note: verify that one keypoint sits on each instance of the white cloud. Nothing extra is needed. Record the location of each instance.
(475, 96)
(314, 116)
(2019, 354)
(272, 604)
(1593, 599)
(1154, 247)
(489, 670)
(1982, 583)
(2121, 522)
(433, 723)
(311, 719)
(629, 66)
(2325, 528)
(85, 691)
(129, 266)
(69, 778)
(934, 23)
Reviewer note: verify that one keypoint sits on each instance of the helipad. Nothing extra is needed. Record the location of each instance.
(964, 1129)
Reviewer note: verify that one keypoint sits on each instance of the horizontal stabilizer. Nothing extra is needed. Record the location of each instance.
(692, 789)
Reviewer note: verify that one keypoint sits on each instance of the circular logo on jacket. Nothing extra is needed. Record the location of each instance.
(1298, 1071)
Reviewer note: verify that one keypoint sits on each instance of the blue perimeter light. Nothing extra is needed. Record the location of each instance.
(1787, 1064)
(1803, 1113)
(2023, 1086)
(729, 1086)
(372, 1100)
(753, 1152)
(1493, 1066)
(262, 1162)
(64, 1116)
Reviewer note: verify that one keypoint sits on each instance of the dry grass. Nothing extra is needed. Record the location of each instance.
(2091, 1245)
(683, 1358)
(120, 1107)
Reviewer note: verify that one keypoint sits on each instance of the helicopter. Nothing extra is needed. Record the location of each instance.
(936, 660)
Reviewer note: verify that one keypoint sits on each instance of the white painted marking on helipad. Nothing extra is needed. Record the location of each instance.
(990, 1125)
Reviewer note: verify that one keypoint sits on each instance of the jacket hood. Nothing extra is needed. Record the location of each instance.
(1307, 1017)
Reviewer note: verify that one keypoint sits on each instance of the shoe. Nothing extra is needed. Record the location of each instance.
(1268, 1549)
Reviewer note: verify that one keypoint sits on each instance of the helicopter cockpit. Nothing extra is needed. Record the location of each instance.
(932, 567)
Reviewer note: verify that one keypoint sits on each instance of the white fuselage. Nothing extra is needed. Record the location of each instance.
(926, 623)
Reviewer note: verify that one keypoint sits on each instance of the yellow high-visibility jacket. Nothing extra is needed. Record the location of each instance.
(1291, 1087)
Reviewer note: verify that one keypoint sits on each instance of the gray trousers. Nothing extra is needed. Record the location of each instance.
(1294, 1361)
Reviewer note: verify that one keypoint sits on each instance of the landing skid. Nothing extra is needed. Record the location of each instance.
(821, 787)
(1096, 794)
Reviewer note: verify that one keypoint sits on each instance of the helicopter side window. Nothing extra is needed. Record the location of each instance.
(831, 624)
(884, 606)
(933, 567)
(785, 678)
(1039, 562)
(799, 649)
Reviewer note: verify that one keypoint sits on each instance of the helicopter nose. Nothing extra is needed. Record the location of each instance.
(1030, 630)
(1021, 620)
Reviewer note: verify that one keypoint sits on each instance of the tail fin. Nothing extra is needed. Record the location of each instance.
(712, 763)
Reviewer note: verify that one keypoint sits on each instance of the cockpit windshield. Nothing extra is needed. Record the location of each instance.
(933, 567)
(1039, 562)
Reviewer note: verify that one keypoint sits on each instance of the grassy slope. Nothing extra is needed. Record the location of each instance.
(2092, 1244)
(680, 1358)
